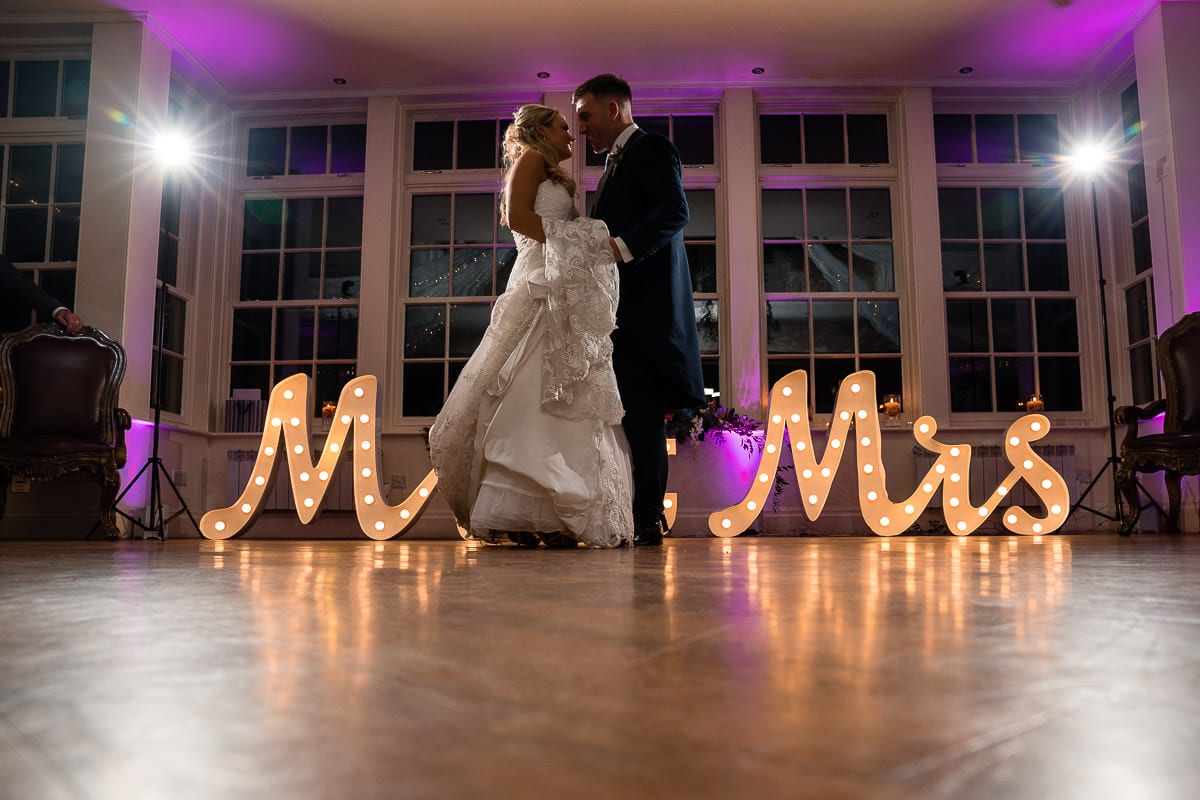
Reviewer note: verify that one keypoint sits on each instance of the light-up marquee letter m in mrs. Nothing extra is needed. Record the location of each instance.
(287, 416)
(856, 405)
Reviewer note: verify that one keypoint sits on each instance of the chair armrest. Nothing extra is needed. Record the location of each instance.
(124, 423)
(1129, 416)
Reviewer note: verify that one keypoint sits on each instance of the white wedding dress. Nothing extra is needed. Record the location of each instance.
(530, 437)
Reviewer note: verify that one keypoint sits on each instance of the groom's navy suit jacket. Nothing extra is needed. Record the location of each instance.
(643, 203)
(18, 294)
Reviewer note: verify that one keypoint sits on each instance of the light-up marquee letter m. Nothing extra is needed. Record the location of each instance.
(287, 416)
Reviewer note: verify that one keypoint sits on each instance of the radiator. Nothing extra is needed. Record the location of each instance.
(339, 497)
(989, 468)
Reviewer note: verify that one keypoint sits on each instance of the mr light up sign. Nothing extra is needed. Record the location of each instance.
(855, 423)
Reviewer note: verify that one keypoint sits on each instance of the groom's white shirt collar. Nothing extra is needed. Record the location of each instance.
(623, 137)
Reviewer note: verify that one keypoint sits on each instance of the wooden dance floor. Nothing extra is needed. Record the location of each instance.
(918, 667)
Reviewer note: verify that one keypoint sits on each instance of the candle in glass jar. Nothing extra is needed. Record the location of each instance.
(891, 405)
(1034, 403)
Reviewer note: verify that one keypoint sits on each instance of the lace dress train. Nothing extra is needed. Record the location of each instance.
(530, 437)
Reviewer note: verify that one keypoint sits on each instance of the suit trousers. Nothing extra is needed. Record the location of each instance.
(645, 399)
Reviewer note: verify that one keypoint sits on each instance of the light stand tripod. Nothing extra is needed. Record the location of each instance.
(155, 520)
(1111, 463)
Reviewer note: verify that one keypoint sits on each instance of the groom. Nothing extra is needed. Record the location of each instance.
(656, 354)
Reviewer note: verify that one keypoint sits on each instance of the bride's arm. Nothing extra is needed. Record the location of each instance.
(521, 190)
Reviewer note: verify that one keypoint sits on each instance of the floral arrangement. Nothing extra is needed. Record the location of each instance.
(693, 425)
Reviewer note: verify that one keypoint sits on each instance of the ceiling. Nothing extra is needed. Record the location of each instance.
(259, 49)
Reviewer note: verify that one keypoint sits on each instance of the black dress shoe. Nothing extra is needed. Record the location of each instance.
(524, 538)
(557, 540)
(647, 535)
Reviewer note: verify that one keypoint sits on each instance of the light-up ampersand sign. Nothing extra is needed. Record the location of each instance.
(287, 417)
(856, 406)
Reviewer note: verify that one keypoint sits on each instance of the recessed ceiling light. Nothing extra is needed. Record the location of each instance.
(543, 75)
(759, 70)
(340, 81)
(966, 70)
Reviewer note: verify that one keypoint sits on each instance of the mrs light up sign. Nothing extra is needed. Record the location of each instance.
(855, 424)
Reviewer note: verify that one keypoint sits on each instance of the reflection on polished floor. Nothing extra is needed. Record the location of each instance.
(916, 667)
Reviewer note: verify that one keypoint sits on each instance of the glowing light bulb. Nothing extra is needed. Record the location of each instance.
(288, 394)
(366, 472)
(812, 499)
(347, 419)
(423, 492)
(365, 445)
(872, 495)
(308, 502)
(787, 391)
(219, 526)
(727, 523)
(247, 508)
(298, 449)
(358, 392)
(868, 468)
(379, 525)
(854, 387)
(304, 476)
(866, 441)
(369, 499)
(751, 505)
(405, 513)
(268, 451)
(323, 475)
(364, 418)
(884, 521)
(260, 480)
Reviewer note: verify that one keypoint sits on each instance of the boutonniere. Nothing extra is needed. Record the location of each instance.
(615, 156)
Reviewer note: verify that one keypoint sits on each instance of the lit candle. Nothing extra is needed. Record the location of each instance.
(891, 405)
(1034, 403)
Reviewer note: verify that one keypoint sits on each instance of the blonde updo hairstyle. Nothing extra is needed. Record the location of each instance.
(523, 135)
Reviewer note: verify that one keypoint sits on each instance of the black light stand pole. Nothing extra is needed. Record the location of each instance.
(1110, 465)
(154, 509)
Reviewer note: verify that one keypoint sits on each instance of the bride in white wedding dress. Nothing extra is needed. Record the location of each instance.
(530, 440)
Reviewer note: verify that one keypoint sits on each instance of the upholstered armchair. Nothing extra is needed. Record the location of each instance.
(58, 411)
(1176, 451)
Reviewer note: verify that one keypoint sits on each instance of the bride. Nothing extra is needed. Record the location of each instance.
(529, 443)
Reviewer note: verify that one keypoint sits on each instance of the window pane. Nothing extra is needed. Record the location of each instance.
(1131, 115)
(867, 137)
(264, 155)
(889, 378)
(1038, 134)
(25, 234)
(1012, 326)
(783, 214)
(1137, 311)
(301, 275)
(873, 268)
(967, 326)
(871, 213)
(952, 138)
(1141, 247)
(1001, 213)
(693, 138)
(430, 219)
(425, 332)
(702, 259)
(878, 326)
(779, 138)
(308, 153)
(1048, 267)
(262, 224)
(433, 145)
(174, 323)
(337, 333)
(1141, 373)
(710, 373)
(787, 326)
(505, 258)
(472, 272)
(35, 89)
(423, 393)
(960, 268)
(1003, 267)
(957, 214)
(59, 284)
(970, 384)
(294, 333)
(829, 268)
(1060, 382)
(827, 214)
(429, 273)
(823, 139)
(478, 144)
(349, 150)
(828, 374)
(331, 379)
(342, 271)
(260, 276)
(1014, 382)
(171, 399)
(994, 139)
(474, 218)
(1044, 214)
(168, 257)
(779, 368)
(783, 268)
(833, 326)
(660, 125)
(248, 377)
(251, 334)
(708, 318)
(305, 222)
(4, 66)
(64, 234)
(702, 206)
(29, 173)
(68, 180)
(1057, 328)
(345, 222)
(1136, 180)
(467, 325)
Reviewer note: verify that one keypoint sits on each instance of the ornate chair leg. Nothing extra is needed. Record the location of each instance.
(1128, 487)
(108, 498)
(1172, 479)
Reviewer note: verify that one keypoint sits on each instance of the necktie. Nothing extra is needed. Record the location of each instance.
(610, 165)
